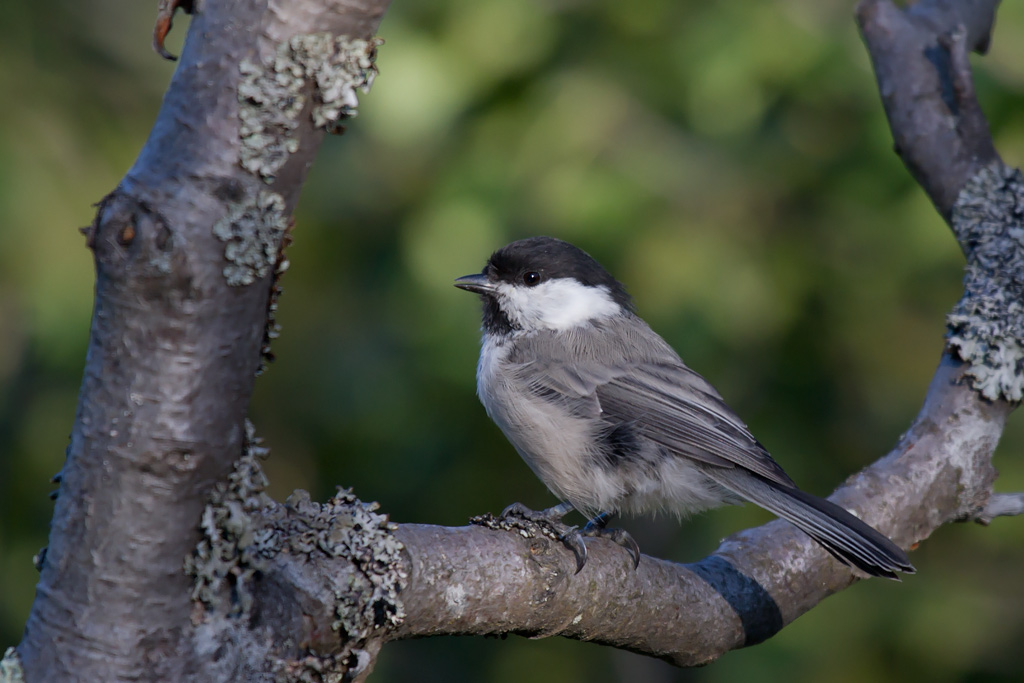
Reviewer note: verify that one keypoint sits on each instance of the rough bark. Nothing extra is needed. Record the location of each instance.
(161, 467)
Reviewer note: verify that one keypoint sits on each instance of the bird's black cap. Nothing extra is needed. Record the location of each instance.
(530, 262)
(552, 258)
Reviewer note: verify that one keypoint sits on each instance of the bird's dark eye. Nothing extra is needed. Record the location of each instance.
(531, 279)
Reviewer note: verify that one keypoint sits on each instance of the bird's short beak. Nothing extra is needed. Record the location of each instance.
(477, 282)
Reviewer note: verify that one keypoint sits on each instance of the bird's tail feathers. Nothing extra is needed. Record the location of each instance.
(848, 539)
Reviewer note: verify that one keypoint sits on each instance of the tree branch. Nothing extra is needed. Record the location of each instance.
(1002, 505)
(757, 582)
(920, 61)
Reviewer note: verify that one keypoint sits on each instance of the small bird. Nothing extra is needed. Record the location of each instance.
(611, 420)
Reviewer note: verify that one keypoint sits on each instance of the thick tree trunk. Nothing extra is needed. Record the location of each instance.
(185, 249)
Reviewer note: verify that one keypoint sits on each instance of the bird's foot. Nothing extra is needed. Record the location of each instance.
(552, 516)
(598, 527)
(550, 523)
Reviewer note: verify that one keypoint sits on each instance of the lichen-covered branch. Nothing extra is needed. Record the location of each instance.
(322, 578)
(986, 327)
(924, 76)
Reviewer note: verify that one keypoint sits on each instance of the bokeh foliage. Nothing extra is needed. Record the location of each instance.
(729, 161)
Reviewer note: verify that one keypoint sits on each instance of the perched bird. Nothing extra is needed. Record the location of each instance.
(611, 420)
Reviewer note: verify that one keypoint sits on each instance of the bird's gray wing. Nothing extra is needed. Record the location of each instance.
(625, 374)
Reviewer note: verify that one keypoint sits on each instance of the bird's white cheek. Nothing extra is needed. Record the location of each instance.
(559, 304)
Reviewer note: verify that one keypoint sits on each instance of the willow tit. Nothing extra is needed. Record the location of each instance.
(611, 420)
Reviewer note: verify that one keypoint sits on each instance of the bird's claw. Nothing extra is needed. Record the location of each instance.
(620, 537)
(573, 540)
(598, 528)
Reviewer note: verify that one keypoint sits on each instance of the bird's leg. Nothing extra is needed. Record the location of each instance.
(598, 527)
(552, 520)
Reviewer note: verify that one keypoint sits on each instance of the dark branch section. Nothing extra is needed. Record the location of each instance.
(757, 610)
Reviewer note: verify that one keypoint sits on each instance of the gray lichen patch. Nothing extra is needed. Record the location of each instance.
(367, 597)
(986, 327)
(244, 530)
(338, 66)
(346, 527)
(233, 548)
(272, 95)
(252, 232)
(318, 669)
(524, 526)
(10, 667)
(272, 328)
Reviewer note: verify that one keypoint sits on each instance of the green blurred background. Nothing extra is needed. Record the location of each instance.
(728, 161)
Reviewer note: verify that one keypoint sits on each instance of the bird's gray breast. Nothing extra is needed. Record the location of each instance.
(540, 388)
(553, 432)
